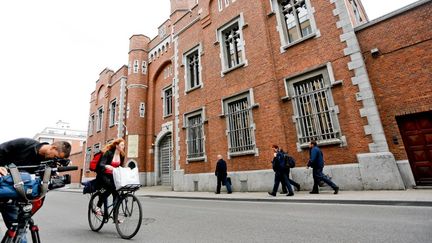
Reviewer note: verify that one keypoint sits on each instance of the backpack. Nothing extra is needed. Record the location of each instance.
(95, 161)
(289, 161)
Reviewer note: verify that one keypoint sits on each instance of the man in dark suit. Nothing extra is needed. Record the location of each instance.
(316, 161)
(221, 173)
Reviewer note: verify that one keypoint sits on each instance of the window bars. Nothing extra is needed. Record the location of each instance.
(195, 139)
(314, 115)
(240, 129)
(297, 20)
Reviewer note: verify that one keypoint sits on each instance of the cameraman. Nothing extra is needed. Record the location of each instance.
(25, 151)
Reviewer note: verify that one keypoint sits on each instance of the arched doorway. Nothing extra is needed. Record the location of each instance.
(165, 160)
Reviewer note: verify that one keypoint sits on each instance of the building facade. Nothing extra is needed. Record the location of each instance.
(230, 78)
(62, 132)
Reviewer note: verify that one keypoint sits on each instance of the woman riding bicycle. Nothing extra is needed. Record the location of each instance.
(113, 156)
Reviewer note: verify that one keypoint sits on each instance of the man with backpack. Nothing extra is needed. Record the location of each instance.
(289, 163)
(280, 173)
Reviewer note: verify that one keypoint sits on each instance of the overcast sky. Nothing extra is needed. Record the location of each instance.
(52, 51)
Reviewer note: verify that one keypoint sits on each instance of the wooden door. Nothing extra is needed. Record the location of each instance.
(416, 131)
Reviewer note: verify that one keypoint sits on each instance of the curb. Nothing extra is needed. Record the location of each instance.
(318, 201)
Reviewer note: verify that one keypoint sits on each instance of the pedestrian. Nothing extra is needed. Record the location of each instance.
(221, 173)
(24, 152)
(316, 161)
(113, 157)
(287, 171)
(278, 164)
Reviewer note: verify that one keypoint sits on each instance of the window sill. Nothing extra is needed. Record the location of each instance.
(310, 36)
(167, 116)
(224, 72)
(192, 89)
(249, 152)
(198, 159)
(334, 141)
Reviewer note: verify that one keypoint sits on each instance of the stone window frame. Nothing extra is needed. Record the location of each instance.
(99, 119)
(282, 27)
(112, 112)
(88, 156)
(356, 11)
(142, 109)
(96, 148)
(186, 116)
(136, 66)
(144, 67)
(165, 105)
(249, 95)
(188, 86)
(91, 124)
(326, 72)
(239, 21)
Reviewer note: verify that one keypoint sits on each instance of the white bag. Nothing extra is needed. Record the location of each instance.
(125, 176)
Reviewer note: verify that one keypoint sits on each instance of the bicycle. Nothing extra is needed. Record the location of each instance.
(125, 210)
(50, 180)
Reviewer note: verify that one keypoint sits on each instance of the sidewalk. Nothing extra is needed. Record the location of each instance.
(410, 197)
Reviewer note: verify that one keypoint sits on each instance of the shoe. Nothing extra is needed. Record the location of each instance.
(290, 194)
(229, 192)
(217, 192)
(98, 211)
(298, 188)
(312, 192)
(272, 194)
(336, 190)
(283, 192)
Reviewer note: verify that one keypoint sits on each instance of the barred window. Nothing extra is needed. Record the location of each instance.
(295, 20)
(240, 126)
(167, 97)
(112, 113)
(99, 120)
(195, 136)
(232, 45)
(193, 75)
(315, 114)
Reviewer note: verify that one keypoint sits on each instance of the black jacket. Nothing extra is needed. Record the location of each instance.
(221, 168)
(21, 151)
(106, 159)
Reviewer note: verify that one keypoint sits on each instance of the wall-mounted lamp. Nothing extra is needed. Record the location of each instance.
(375, 52)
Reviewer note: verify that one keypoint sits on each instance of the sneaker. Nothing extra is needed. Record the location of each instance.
(98, 211)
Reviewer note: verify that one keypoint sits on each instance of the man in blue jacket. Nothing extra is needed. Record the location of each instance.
(280, 174)
(316, 161)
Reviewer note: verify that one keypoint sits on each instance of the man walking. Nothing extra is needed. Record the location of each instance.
(221, 173)
(287, 171)
(316, 161)
(280, 174)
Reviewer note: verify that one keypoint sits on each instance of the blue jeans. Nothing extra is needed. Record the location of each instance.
(10, 214)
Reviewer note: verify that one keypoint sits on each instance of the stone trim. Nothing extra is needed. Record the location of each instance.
(361, 79)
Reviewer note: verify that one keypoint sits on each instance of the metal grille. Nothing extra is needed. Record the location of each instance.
(165, 154)
(195, 139)
(193, 69)
(233, 45)
(314, 119)
(297, 20)
(240, 130)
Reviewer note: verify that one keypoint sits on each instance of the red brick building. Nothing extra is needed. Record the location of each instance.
(225, 77)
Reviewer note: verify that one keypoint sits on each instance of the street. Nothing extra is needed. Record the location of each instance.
(63, 218)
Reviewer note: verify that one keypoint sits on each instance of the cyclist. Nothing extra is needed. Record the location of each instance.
(113, 157)
(25, 151)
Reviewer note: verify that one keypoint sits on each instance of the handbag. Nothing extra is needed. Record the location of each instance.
(125, 176)
(32, 186)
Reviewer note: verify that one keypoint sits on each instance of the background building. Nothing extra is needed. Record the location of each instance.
(225, 77)
(62, 132)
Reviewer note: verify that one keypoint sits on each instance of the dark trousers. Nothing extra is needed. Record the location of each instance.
(281, 177)
(284, 187)
(319, 176)
(223, 180)
(106, 181)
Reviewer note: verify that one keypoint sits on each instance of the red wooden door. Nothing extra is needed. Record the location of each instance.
(416, 131)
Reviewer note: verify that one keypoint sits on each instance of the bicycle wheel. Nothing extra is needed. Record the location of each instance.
(128, 216)
(95, 221)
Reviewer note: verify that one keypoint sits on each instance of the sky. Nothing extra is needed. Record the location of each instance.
(51, 54)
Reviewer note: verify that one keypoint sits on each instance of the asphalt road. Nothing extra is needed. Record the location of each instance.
(64, 219)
